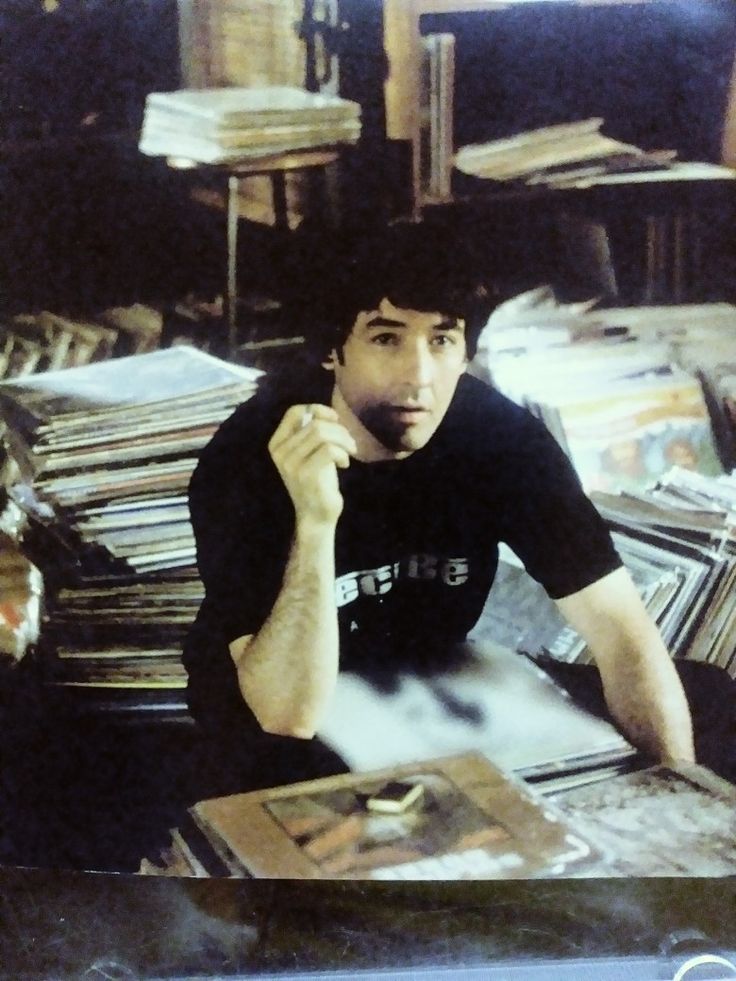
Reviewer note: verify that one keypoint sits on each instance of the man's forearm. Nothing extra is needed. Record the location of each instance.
(287, 671)
(644, 695)
(641, 685)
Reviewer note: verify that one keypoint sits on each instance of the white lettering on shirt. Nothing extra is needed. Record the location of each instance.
(420, 567)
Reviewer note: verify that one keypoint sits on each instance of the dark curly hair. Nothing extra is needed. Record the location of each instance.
(413, 265)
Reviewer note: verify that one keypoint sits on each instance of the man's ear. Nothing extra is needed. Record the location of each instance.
(329, 362)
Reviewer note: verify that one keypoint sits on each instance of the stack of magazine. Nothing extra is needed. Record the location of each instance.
(105, 453)
(448, 818)
(220, 125)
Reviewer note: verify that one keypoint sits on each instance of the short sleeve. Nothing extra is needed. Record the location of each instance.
(241, 522)
(549, 521)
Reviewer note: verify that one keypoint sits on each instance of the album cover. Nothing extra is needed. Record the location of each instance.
(459, 818)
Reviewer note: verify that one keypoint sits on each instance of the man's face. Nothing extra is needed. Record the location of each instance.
(396, 378)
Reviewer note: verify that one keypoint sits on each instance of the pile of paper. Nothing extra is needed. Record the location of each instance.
(105, 454)
(214, 126)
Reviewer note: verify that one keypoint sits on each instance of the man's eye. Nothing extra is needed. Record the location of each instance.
(384, 340)
(443, 340)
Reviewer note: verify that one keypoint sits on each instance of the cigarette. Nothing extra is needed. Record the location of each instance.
(307, 418)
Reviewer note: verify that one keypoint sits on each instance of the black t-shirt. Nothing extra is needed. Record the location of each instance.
(416, 546)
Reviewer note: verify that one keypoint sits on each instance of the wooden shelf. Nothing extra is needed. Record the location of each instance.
(402, 43)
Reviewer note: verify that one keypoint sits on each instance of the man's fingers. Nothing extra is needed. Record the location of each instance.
(307, 447)
(307, 438)
(325, 454)
(292, 454)
(301, 416)
(297, 418)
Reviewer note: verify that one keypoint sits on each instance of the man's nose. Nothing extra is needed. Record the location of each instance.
(417, 366)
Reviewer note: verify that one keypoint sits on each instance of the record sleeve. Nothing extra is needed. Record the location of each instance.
(469, 821)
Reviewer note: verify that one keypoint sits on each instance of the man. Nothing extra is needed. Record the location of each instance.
(351, 521)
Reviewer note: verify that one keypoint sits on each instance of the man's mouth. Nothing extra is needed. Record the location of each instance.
(408, 413)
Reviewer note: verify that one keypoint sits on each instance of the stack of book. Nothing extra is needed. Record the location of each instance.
(104, 455)
(217, 126)
(450, 818)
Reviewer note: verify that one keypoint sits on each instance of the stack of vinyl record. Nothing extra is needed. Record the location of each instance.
(622, 409)
(454, 817)
(105, 454)
(685, 527)
(627, 391)
(215, 126)
(678, 542)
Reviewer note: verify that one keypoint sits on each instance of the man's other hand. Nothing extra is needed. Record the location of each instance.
(307, 448)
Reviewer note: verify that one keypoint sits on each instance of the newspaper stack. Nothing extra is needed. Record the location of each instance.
(105, 453)
(216, 126)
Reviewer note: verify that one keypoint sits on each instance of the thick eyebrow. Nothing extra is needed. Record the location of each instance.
(446, 323)
(379, 321)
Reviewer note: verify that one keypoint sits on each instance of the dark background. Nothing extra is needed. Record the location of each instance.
(90, 222)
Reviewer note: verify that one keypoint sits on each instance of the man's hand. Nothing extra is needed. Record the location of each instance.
(307, 448)
(288, 670)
